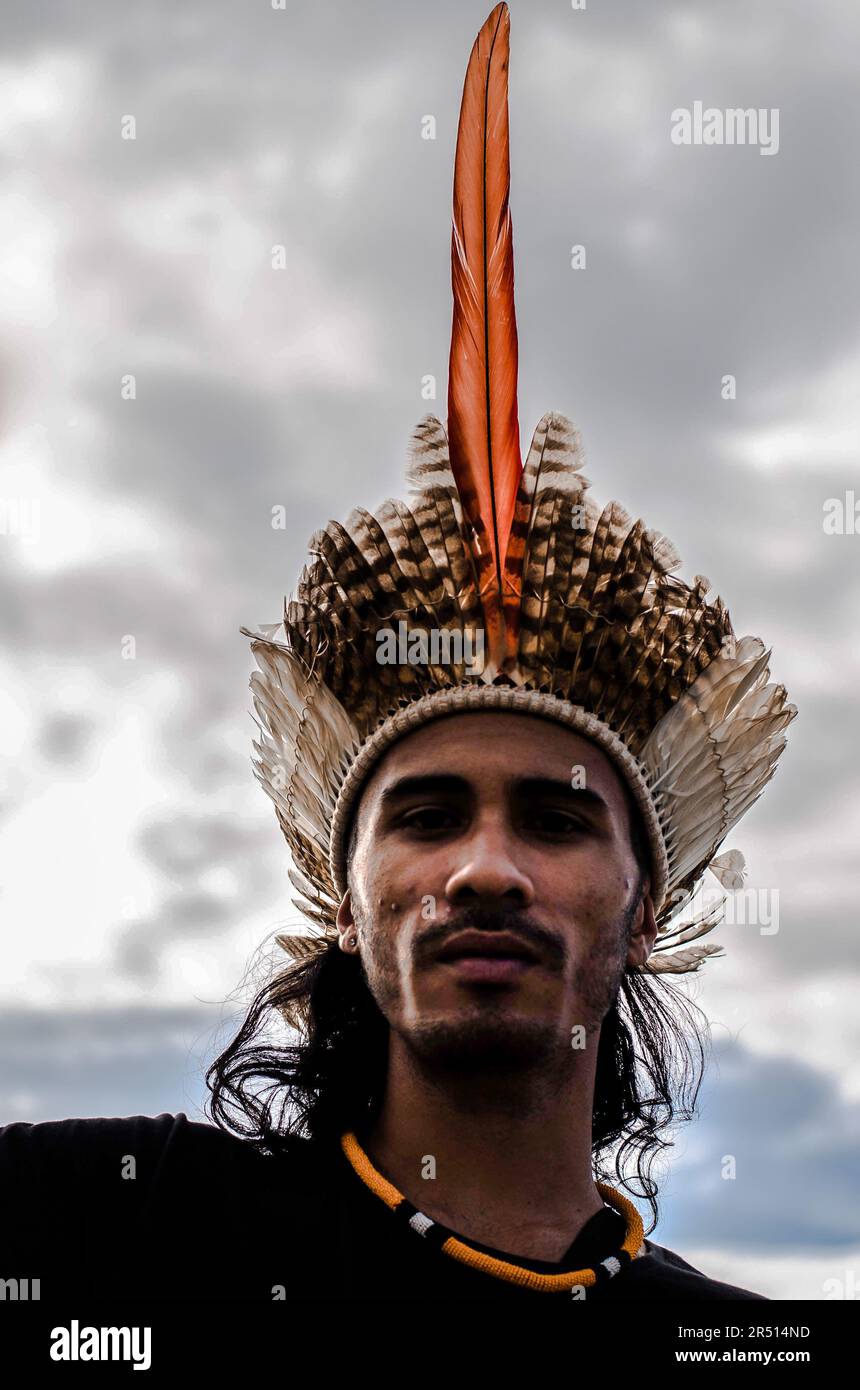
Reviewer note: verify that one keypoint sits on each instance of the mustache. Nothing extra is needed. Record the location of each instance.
(481, 917)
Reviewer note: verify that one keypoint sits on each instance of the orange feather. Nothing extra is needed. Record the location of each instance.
(483, 428)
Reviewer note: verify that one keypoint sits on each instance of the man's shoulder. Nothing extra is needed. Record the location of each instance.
(168, 1138)
(99, 1131)
(95, 1203)
(662, 1274)
(142, 1164)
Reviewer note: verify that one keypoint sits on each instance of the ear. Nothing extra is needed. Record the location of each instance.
(644, 931)
(345, 920)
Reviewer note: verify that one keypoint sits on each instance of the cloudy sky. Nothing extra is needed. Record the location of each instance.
(143, 874)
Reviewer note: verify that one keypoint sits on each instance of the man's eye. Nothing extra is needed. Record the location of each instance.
(429, 818)
(556, 823)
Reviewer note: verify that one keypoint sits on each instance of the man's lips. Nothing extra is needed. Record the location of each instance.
(489, 969)
(493, 956)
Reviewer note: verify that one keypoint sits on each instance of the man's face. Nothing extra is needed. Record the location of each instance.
(517, 830)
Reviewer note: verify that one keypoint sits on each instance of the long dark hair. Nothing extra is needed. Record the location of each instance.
(267, 1088)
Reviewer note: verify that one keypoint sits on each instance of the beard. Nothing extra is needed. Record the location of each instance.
(486, 1038)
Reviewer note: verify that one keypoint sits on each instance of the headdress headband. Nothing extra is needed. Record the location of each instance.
(582, 619)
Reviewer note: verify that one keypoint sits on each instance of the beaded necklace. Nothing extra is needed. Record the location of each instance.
(452, 1245)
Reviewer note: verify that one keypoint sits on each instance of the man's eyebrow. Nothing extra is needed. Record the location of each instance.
(536, 787)
(425, 784)
(449, 784)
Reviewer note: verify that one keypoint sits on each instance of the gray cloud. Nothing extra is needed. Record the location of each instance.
(59, 1064)
(795, 1143)
(64, 738)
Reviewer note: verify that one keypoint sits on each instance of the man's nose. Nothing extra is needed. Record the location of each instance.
(487, 868)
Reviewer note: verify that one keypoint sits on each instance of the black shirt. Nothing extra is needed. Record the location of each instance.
(167, 1208)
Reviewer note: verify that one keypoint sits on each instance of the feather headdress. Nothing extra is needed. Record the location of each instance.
(580, 615)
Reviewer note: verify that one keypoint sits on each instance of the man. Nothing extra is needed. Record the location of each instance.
(480, 1107)
(494, 857)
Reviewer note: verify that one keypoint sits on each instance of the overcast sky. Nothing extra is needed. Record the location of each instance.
(143, 873)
